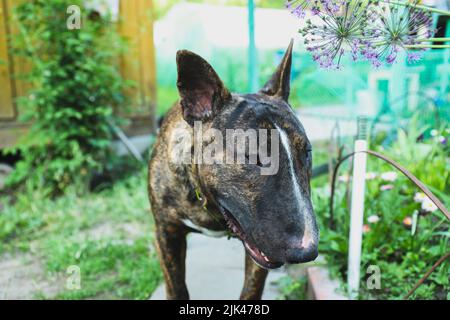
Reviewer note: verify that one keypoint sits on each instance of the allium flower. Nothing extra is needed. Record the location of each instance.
(442, 140)
(373, 218)
(386, 187)
(414, 57)
(339, 33)
(392, 29)
(419, 197)
(299, 7)
(428, 205)
(375, 30)
(389, 176)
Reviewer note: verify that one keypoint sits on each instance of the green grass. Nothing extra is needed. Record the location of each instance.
(292, 289)
(108, 235)
(109, 268)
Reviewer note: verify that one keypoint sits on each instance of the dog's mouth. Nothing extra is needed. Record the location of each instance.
(258, 256)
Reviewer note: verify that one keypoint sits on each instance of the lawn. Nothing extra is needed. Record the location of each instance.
(107, 235)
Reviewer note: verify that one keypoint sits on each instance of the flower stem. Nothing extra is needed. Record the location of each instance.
(419, 6)
(434, 40)
(428, 46)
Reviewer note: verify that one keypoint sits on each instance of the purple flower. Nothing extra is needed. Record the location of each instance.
(299, 7)
(375, 31)
(394, 28)
(442, 140)
(315, 11)
(338, 34)
(414, 56)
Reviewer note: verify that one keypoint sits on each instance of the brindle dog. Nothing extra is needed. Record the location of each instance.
(271, 214)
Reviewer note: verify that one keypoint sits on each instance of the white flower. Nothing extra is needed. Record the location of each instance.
(419, 197)
(386, 187)
(371, 175)
(389, 176)
(434, 132)
(373, 218)
(428, 205)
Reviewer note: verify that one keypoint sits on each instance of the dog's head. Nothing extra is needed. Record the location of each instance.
(265, 197)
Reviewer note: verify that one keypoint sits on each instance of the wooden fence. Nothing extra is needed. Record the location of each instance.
(137, 64)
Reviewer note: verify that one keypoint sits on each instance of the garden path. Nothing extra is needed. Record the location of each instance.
(215, 270)
(23, 277)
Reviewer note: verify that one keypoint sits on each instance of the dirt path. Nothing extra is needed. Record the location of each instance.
(23, 277)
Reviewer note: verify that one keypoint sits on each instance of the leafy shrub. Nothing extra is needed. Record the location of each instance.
(402, 248)
(292, 289)
(76, 87)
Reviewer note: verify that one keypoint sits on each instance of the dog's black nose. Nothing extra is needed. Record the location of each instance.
(301, 255)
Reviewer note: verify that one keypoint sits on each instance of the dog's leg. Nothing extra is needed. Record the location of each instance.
(171, 247)
(255, 278)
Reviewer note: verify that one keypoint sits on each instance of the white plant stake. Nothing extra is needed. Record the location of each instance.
(357, 210)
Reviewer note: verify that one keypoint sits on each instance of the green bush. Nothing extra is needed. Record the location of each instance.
(76, 87)
(403, 236)
(291, 289)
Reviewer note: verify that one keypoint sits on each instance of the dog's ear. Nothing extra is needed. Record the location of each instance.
(202, 92)
(279, 84)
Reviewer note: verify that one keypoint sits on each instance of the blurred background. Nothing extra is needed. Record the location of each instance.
(244, 51)
(79, 110)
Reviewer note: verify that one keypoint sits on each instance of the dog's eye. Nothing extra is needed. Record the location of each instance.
(309, 162)
(309, 155)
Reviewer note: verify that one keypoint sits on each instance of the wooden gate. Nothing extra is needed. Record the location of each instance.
(137, 64)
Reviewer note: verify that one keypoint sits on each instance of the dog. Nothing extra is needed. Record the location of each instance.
(271, 214)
